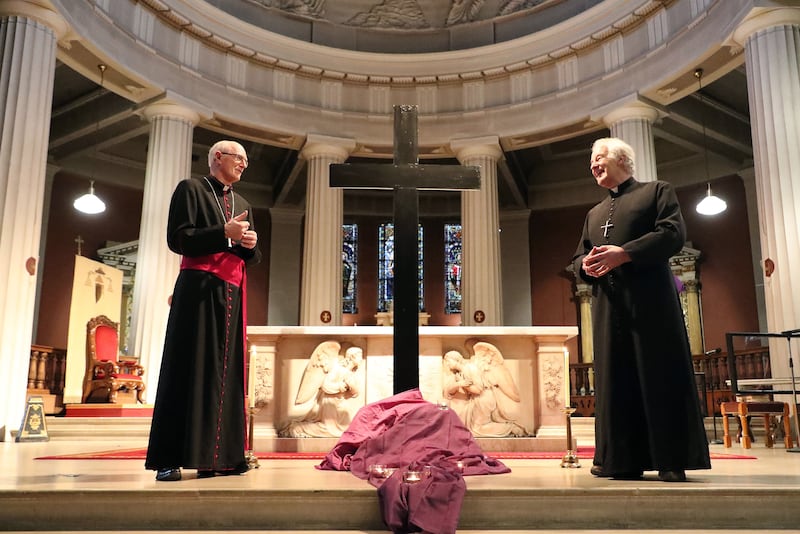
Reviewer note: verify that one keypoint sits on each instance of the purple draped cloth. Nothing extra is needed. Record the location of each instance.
(409, 433)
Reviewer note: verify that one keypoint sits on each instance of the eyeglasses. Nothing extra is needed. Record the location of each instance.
(238, 157)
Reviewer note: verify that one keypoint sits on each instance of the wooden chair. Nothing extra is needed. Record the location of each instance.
(751, 402)
(108, 373)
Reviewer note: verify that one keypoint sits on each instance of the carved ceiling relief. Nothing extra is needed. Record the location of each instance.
(402, 14)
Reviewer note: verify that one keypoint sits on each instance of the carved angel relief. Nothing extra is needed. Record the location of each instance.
(329, 381)
(482, 391)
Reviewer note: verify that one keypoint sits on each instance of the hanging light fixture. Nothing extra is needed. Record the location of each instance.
(710, 205)
(91, 203)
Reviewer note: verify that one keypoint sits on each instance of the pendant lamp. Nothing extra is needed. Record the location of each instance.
(91, 203)
(710, 204)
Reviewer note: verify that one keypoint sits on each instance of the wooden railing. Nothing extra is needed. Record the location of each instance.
(711, 373)
(47, 367)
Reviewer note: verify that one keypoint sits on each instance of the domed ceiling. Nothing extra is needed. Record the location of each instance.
(403, 26)
(98, 125)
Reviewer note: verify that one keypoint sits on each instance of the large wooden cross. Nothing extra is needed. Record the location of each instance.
(405, 177)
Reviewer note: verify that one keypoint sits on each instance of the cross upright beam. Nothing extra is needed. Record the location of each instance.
(405, 176)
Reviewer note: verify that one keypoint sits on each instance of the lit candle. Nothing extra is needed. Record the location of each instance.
(411, 476)
(251, 378)
(567, 400)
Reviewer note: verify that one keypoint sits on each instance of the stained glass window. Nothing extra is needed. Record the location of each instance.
(349, 267)
(386, 267)
(452, 268)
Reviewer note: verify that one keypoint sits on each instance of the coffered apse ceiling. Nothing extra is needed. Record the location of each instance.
(97, 128)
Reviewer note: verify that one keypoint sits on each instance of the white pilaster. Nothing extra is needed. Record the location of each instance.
(321, 288)
(28, 35)
(50, 175)
(516, 267)
(168, 162)
(771, 38)
(284, 264)
(748, 177)
(633, 123)
(482, 302)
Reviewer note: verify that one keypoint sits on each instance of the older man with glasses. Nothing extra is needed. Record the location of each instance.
(199, 412)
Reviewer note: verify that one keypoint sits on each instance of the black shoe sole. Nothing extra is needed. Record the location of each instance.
(672, 476)
(168, 475)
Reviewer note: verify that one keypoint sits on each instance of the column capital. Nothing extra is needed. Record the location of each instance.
(38, 10)
(173, 106)
(487, 146)
(583, 292)
(631, 107)
(761, 18)
(337, 148)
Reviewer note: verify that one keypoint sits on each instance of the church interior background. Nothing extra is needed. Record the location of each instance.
(526, 86)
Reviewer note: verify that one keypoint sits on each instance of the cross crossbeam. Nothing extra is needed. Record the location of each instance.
(405, 177)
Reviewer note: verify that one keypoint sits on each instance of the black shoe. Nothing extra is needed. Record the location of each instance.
(597, 470)
(238, 470)
(205, 473)
(678, 475)
(168, 475)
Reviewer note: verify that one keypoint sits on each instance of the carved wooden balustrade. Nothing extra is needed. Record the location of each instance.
(46, 370)
(712, 371)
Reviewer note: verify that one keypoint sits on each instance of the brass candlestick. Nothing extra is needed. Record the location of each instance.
(570, 458)
(250, 456)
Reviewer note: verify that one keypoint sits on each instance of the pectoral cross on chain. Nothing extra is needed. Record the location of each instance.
(606, 227)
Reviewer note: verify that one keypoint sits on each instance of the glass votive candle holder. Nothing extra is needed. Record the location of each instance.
(380, 470)
(412, 477)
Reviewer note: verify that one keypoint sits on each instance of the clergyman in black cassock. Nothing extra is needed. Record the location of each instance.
(647, 412)
(199, 411)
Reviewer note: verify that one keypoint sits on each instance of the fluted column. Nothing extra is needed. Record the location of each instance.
(771, 38)
(168, 162)
(482, 302)
(633, 123)
(321, 289)
(284, 264)
(28, 36)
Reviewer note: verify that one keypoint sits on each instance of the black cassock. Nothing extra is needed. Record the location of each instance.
(647, 408)
(199, 412)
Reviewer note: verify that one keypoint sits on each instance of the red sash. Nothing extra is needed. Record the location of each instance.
(225, 266)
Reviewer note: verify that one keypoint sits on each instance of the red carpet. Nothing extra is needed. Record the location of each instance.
(584, 453)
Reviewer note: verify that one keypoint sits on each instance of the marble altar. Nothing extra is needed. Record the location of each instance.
(281, 356)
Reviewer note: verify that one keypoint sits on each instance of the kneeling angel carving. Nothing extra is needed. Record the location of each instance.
(330, 379)
(482, 392)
